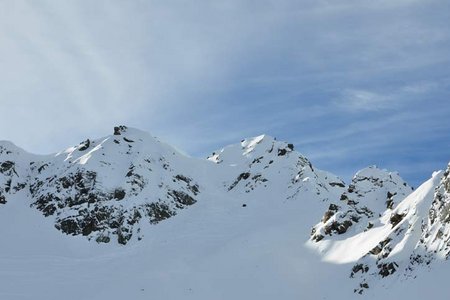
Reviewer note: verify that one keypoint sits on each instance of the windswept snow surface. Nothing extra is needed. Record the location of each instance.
(245, 235)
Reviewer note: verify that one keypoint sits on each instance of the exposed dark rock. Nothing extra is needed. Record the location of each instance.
(194, 189)
(257, 160)
(337, 227)
(377, 249)
(6, 166)
(45, 205)
(282, 152)
(123, 236)
(49, 210)
(387, 269)
(363, 268)
(136, 217)
(43, 167)
(158, 212)
(355, 218)
(396, 218)
(68, 226)
(119, 194)
(89, 226)
(242, 176)
(182, 197)
(259, 177)
(351, 188)
(103, 239)
(339, 184)
(333, 207)
(84, 145)
(328, 214)
(19, 186)
(389, 204)
(119, 129)
(183, 178)
(8, 185)
(318, 237)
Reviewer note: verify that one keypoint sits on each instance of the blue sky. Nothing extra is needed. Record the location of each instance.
(350, 83)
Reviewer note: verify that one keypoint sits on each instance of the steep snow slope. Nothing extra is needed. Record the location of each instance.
(136, 219)
(395, 242)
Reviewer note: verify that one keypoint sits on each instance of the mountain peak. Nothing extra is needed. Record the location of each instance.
(262, 146)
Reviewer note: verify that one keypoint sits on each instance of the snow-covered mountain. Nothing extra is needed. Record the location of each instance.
(127, 215)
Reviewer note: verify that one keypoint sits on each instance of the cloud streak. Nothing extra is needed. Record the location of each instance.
(356, 78)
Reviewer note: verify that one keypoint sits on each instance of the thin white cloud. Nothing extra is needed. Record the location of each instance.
(201, 74)
(362, 100)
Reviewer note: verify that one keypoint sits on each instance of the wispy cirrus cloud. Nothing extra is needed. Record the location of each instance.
(335, 76)
(361, 100)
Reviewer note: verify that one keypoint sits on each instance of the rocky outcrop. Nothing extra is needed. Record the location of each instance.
(371, 193)
(436, 232)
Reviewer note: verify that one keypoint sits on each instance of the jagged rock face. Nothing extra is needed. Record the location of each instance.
(373, 192)
(436, 233)
(104, 189)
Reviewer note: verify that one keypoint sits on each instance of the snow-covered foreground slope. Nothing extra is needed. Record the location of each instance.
(127, 216)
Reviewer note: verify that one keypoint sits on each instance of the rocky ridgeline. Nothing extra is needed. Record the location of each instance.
(372, 192)
(264, 164)
(107, 188)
